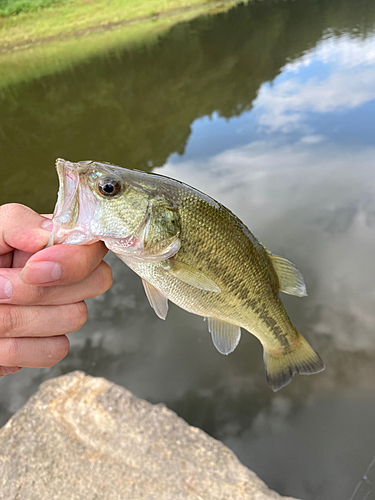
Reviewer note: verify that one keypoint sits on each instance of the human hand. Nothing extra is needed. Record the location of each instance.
(42, 290)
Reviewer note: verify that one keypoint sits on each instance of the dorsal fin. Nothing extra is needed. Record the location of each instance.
(290, 278)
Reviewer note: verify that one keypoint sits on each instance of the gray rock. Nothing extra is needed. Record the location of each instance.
(85, 438)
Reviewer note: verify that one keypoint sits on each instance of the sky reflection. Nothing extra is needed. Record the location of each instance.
(298, 169)
(337, 77)
(322, 189)
(327, 94)
(285, 139)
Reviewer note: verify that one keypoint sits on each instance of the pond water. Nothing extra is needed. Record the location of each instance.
(269, 108)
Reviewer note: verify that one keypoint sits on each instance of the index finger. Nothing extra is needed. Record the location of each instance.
(21, 228)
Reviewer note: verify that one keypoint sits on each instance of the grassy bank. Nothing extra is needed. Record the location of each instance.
(75, 16)
(15, 7)
(33, 44)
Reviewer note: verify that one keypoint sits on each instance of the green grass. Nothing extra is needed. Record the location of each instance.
(14, 7)
(76, 16)
(34, 44)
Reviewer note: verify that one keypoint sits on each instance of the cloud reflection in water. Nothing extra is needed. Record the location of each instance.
(305, 186)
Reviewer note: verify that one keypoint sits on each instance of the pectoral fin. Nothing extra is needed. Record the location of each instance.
(158, 302)
(290, 278)
(190, 275)
(225, 336)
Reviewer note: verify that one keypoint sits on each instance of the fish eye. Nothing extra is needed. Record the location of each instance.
(109, 187)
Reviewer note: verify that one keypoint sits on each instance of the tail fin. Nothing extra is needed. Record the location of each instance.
(281, 367)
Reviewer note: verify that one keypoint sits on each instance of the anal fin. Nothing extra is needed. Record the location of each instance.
(225, 336)
(158, 302)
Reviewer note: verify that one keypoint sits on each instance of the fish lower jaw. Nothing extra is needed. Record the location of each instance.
(71, 237)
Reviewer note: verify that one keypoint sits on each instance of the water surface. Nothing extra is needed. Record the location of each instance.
(268, 108)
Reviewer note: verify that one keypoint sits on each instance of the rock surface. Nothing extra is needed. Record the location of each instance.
(85, 438)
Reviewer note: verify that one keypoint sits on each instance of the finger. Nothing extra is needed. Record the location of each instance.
(20, 258)
(21, 227)
(63, 264)
(6, 260)
(7, 370)
(33, 352)
(41, 321)
(14, 291)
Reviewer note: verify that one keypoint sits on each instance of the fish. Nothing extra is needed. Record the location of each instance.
(191, 250)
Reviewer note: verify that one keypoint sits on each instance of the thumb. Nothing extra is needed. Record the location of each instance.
(21, 228)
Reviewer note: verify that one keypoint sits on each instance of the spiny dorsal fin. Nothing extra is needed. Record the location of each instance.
(158, 302)
(290, 278)
(190, 275)
(225, 336)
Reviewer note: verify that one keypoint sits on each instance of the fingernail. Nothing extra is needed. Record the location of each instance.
(6, 289)
(41, 272)
(47, 225)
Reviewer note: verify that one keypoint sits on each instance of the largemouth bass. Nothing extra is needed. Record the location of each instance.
(191, 250)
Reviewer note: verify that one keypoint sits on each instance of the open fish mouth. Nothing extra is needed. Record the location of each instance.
(70, 221)
(78, 210)
(67, 207)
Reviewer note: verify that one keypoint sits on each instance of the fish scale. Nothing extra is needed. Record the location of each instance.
(224, 252)
(191, 250)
